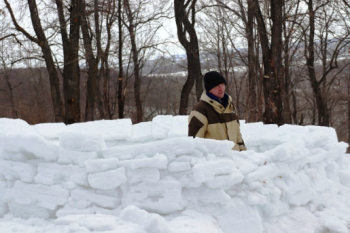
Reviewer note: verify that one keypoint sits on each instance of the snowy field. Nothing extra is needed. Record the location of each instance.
(112, 176)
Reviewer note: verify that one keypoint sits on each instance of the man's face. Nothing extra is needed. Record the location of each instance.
(218, 91)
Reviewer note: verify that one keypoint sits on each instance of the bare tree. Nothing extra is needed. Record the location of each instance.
(253, 68)
(323, 117)
(290, 47)
(71, 70)
(94, 108)
(121, 93)
(41, 40)
(142, 26)
(7, 61)
(272, 60)
(110, 12)
(346, 3)
(185, 16)
(248, 56)
(135, 57)
(323, 49)
(5, 70)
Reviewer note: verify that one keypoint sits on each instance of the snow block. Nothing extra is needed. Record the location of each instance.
(69, 176)
(208, 170)
(75, 157)
(143, 175)
(18, 171)
(37, 195)
(119, 129)
(161, 126)
(83, 198)
(159, 161)
(170, 147)
(101, 165)
(107, 180)
(82, 141)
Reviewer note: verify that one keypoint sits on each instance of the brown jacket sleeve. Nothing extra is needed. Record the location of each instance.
(197, 124)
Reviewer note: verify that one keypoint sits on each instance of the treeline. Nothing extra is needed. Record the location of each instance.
(29, 98)
(287, 62)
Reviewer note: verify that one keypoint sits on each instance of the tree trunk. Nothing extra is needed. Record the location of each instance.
(185, 28)
(137, 81)
(9, 85)
(121, 96)
(294, 102)
(252, 97)
(41, 40)
(186, 89)
(50, 65)
(323, 117)
(276, 52)
(272, 80)
(135, 58)
(94, 109)
(259, 78)
(71, 70)
(287, 110)
(109, 107)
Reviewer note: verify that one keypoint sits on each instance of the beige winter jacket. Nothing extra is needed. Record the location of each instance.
(209, 119)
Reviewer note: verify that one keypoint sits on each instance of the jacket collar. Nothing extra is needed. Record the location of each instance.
(217, 105)
(223, 101)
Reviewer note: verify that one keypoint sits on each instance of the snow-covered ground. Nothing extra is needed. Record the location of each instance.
(112, 176)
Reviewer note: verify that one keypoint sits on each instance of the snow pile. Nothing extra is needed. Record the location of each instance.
(112, 176)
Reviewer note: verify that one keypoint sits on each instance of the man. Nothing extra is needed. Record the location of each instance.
(215, 116)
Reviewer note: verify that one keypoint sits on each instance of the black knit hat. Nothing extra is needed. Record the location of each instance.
(212, 79)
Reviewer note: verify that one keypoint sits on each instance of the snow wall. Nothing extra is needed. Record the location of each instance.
(52, 171)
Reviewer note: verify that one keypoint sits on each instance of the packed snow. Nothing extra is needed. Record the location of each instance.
(113, 176)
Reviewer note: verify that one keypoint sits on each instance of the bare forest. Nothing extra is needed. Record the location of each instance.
(286, 62)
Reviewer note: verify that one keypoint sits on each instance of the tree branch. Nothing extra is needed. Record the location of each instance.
(19, 28)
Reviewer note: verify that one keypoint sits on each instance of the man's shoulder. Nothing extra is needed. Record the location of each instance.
(201, 106)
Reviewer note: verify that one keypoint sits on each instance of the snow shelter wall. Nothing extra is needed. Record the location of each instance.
(53, 170)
